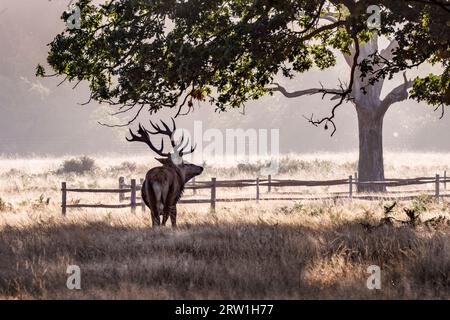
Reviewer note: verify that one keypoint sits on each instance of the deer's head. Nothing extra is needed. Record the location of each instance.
(172, 159)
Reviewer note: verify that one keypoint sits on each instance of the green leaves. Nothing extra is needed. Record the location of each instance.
(424, 37)
(433, 89)
(40, 71)
(154, 53)
(323, 57)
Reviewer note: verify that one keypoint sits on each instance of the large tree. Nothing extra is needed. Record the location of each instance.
(370, 108)
(140, 55)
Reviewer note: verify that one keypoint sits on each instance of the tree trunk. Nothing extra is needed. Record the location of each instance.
(371, 165)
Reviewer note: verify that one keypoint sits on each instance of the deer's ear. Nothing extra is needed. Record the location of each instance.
(162, 160)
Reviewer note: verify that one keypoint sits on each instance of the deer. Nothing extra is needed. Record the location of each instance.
(163, 186)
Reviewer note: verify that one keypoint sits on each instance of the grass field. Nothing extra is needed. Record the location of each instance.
(278, 249)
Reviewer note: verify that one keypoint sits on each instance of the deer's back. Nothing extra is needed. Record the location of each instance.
(168, 179)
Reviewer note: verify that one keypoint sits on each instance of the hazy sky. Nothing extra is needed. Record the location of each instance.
(37, 117)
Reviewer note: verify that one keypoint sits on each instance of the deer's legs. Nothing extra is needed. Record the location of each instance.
(173, 215)
(155, 219)
(165, 216)
(155, 215)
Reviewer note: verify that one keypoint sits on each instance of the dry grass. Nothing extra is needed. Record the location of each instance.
(247, 250)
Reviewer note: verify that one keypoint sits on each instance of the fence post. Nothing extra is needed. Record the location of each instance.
(142, 197)
(194, 190)
(121, 184)
(445, 180)
(257, 189)
(438, 183)
(356, 180)
(133, 196)
(213, 194)
(350, 187)
(269, 187)
(64, 198)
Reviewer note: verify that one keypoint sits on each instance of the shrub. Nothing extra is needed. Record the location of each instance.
(421, 203)
(41, 203)
(250, 168)
(79, 165)
(125, 166)
(4, 206)
(288, 165)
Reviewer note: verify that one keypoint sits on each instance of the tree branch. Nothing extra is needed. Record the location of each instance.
(124, 124)
(398, 94)
(329, 17)
(388, 53)
(345, 93)
(442, 107)
(307, 92)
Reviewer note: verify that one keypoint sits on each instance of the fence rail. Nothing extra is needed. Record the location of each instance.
(133, 188)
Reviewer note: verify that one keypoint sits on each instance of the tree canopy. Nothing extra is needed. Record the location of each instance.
(422, 30)
(146, 55)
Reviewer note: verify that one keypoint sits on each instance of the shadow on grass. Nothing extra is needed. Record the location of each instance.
(223, 261)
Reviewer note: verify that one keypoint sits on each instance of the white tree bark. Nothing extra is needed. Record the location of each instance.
(370, 109)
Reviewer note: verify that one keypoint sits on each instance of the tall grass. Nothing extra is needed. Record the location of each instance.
(79, 165)
(244, 250)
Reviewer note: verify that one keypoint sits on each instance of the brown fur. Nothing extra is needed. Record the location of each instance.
(163, 187)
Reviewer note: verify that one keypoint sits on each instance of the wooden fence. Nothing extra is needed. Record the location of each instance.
(132, 189)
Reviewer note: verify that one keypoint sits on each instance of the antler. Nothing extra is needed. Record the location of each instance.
(143, 136)
(181, 149)
(166, 131)
(177, 147)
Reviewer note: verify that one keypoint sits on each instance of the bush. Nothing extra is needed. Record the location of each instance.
(288, 165)
(250, 168)
(125, 166)
(4, 206)
(79, 165)
(41, 203)
(421, 203)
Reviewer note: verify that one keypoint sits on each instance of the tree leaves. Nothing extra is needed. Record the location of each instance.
(154, 53)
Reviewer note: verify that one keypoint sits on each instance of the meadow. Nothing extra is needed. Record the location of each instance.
(279, 250)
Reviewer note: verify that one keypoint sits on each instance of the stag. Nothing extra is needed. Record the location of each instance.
(164, 185)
